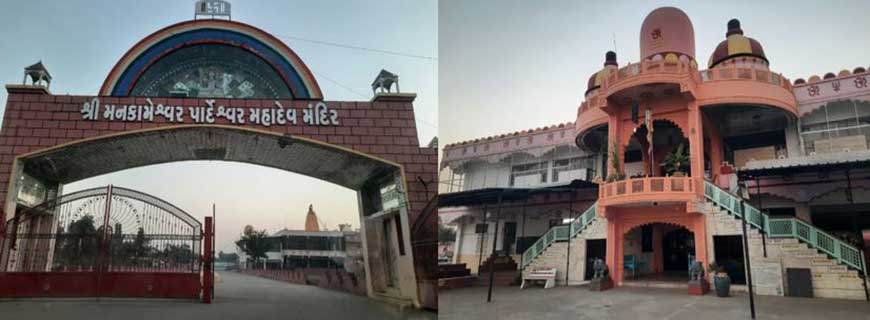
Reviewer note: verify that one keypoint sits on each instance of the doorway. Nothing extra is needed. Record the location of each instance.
(728, 252)
(678, 250)
(595, 249)
(510, 235)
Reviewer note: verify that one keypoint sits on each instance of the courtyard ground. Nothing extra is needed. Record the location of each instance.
(237, 297)
(577, 302)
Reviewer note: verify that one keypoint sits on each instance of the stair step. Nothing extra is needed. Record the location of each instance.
(823, 262)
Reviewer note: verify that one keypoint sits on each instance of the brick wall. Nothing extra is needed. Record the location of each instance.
(35, 120)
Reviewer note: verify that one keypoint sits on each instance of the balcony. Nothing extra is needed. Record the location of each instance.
(647, 190)
(741, 85)
(645, 72)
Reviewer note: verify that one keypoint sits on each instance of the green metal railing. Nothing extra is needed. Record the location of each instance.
(560, 233)
(787, 228)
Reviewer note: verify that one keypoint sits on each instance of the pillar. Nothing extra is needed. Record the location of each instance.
(696, 146)
(700, 233)
(715, 148)
(613, 141)
(207, 275)
(614, 250)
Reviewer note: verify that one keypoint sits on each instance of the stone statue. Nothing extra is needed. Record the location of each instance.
(600, 269)
(696, 272)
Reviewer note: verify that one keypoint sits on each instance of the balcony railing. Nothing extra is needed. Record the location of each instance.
(646, 186)
(742, 73)
(816, 238)
(633, 70)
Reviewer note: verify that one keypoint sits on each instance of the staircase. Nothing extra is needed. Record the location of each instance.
(504, 271)
(549, 251)
(838, 268)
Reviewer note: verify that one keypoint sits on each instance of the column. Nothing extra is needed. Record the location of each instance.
(700, 233)
(696, 146)
(614, 250)
(613, 141)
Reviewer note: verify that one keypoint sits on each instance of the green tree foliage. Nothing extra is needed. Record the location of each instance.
(254, 243)
(79, 245)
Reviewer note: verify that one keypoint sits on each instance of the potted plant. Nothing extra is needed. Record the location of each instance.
(721, 280)
(675, 161)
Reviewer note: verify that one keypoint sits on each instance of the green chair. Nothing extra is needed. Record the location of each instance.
(630, 262)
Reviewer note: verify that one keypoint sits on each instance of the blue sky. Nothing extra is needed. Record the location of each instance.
(80, 41)
(510, 65)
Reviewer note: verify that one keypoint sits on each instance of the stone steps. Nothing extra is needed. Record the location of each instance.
(830, 279)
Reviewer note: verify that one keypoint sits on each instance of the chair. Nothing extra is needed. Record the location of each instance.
(630, 262)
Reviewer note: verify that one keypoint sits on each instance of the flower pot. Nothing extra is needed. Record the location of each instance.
(722, 284)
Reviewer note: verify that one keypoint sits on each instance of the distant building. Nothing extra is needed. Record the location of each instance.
(311, 248)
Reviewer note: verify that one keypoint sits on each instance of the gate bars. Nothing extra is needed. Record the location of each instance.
(106, 241)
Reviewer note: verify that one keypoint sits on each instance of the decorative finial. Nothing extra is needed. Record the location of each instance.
(734, 27)
(38, 74)
(610, 59)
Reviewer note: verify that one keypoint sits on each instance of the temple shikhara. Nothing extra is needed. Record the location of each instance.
(666, 160)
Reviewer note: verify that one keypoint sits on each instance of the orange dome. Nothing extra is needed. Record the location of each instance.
(736, 45)
(667, 30)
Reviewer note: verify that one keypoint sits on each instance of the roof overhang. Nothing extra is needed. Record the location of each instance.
(492, 195)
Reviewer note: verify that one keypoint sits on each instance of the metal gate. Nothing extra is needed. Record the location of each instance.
(103, 242)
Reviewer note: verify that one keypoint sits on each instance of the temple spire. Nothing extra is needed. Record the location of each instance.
(311, 220)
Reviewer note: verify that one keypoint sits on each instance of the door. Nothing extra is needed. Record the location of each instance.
(677, 246)
(510, 237)
(595, 249)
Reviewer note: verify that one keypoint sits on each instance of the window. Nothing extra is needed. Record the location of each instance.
(529, 174)
(836, 127)
(573, 168)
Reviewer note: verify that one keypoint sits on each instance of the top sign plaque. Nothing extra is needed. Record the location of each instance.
(213, 8)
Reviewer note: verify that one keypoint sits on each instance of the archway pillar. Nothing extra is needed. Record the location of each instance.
(696, 146)
(715, 147)
(700, 232)
(614, 140)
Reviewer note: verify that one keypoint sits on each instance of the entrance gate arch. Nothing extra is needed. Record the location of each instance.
(150, 111)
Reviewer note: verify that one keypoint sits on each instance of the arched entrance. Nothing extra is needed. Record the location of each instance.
(654, 242)
(252, 100)
(378, 182)
(667, 137)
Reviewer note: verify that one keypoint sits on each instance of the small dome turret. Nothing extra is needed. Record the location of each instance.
(737, 45)
(597, 78)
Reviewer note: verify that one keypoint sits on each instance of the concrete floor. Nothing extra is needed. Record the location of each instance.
(237, 297)
(575, 302)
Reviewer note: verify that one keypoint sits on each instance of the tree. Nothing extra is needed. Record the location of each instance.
(254, 243)
(80, 244)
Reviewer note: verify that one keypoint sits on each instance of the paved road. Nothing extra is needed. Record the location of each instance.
(238, 297)
(511, 303)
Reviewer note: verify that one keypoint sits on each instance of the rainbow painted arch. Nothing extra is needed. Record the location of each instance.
(136, 62)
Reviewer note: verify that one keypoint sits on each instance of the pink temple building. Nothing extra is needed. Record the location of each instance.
(665, 158)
